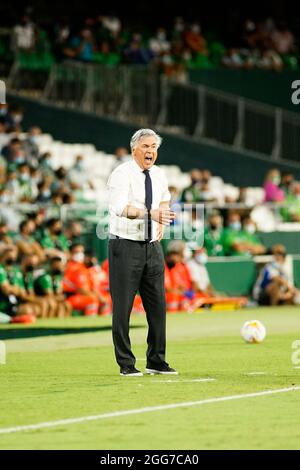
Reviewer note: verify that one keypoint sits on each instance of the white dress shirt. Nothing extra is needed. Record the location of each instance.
(126, 186)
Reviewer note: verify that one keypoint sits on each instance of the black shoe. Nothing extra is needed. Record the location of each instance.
(163, 369)
(130, 371)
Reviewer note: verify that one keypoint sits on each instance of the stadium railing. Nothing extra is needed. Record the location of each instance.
(140, 94)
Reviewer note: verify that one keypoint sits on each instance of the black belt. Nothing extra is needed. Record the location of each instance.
(111, 236)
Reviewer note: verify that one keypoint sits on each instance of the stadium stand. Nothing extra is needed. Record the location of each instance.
(50, 192)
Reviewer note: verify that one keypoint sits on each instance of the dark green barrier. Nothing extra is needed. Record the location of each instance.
(232, 277)
(269, 87)
(296, 266)
(291, 240)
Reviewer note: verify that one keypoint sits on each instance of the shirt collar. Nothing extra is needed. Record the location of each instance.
(137, 167)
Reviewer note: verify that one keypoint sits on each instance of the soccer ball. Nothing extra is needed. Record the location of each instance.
(253, 331)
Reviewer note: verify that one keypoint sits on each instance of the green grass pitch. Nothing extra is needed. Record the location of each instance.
(60, 369)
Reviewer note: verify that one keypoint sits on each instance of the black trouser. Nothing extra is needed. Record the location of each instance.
(137, 266)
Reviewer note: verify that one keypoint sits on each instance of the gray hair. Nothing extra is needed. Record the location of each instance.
(138, 135)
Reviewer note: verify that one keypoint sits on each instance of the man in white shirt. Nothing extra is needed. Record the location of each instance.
(139, 207)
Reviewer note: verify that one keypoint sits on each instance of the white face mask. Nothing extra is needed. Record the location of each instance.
(250, 228)
(201, 258)
(78, 257)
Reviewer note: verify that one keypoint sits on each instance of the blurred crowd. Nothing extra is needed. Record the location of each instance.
(26, 174)
(46, 269)
(267, 44)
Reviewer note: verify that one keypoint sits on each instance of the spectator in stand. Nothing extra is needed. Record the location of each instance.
(48, 284)
(291, 211)
(14, 153)
(113, 24)
(287, 181)
(195, 40)
(13, 299)
(273, 193)
(61, 36)
(77, 283)
(44, 191)
(283, 40)
(82, 47)
(24, 35)
(13, 117)
(199, 275)
(78, 176)
(214, 234)
(4, 137)
(193, 192)
(29, 266)
(241, 240)
(159, 44)
(26, 189)
(38, 219)
(53, 239)
(122, 155)
(13, 188)
(31, 148)
(136, 53)
(107, 55)
(25, 241)
(73, 231)
(175, 196)
(274, 285)
(207, 194)
(5, 238)
(45, 164)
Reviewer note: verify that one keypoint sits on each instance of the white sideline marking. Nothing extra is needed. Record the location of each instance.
(182, 381)
(255, 373)
(114, 414)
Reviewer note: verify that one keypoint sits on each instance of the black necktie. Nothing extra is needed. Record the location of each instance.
(148, 203)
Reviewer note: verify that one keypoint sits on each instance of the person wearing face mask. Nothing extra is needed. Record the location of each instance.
(30, 270)
(198, 271)
(214, 235)
(25, 241)
(174, 284)
(49, 284)
(31, 147)
(77, 283)
(13, 152)
(97, 281)
(180, 294)
(53, 239)
(253, 244)
(25, 183)
(193, 193)
(291, 211)
(14, 297)
(274, 285)
(78, 176)
(11, 286)
(238, 240)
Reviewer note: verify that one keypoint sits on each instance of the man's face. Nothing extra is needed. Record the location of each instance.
(145, 152)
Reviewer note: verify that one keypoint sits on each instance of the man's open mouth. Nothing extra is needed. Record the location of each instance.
(148, 159)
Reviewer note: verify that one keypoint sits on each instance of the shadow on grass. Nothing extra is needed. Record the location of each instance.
(21, 333)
